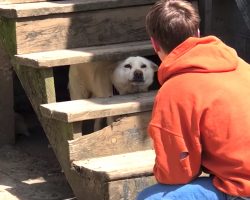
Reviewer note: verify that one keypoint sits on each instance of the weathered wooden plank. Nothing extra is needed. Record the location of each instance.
(43, 82)
(117, 167)
(78, 110)
(129, 134)
(76, 30)
(7, 133)
(19, 1)
(128, 189)
(67, 6)
(7, 49)
(84, 55)
(8, 35)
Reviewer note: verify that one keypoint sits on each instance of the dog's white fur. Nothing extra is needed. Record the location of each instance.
(132, 75)
(90, 80)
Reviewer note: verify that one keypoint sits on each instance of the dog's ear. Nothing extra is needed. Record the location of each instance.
(154, 66)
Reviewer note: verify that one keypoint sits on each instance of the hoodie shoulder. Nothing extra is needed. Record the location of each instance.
(198, 55)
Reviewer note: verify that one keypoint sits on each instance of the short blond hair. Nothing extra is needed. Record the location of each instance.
(170, 22)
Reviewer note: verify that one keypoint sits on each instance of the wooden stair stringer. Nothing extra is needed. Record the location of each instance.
(128, 135)
(58, 133)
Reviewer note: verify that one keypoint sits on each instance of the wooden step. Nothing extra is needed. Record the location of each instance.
(44, 26)
(83, 55)
(117, 167)
(19, 1)
(40, 8)
(78, 110)
(119, 176)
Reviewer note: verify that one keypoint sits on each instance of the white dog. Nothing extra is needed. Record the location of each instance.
(132, 75)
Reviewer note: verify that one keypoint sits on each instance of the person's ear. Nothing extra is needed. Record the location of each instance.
(198, 33)
(155, 45)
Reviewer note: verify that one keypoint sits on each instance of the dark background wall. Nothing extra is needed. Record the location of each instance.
(224, 18)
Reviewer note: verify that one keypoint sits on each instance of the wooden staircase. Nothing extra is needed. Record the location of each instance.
(115, 162)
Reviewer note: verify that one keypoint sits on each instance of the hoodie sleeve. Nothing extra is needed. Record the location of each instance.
(177, 147)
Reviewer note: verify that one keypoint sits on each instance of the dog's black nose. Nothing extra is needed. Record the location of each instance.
(138, 76)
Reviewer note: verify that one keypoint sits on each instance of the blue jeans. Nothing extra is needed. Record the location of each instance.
(199, 189)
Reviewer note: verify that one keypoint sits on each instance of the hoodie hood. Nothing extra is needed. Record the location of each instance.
(198, 55)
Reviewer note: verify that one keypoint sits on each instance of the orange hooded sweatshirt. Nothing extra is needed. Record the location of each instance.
(201, 116)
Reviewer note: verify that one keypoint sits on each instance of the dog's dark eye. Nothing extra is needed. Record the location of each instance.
(128, 66)
(143, 66)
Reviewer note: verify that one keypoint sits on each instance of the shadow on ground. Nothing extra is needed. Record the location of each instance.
(29, 170)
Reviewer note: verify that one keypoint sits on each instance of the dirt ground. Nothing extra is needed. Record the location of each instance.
(30, 171)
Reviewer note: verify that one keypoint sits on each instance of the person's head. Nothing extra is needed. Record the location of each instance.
(170, 22)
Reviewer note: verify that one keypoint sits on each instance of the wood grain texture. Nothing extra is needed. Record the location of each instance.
(117, 167)
(19, 1)
(8, 35)
(77, 30)
(66, 6)
(7, 132)
(128, 189)
(78, 110)
(128, 134)
(112, 52)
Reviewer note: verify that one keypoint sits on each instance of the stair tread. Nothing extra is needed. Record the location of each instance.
(66, 6)
(19, 1)
(117, 167)
(83, 55)
(78, 110)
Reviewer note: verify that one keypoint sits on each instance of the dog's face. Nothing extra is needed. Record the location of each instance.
(136, 71)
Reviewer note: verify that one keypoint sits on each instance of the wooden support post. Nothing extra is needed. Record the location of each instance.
(7, 130)
(7, 43)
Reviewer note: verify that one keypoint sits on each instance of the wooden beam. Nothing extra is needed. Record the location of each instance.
(81, 29)
(84, 55)
(59, 7)
(128, 134)
(78, 110)
(117, 167)
(128, 188)
(7, 50)
(8, 35)
(19, 1)
(7, 132)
